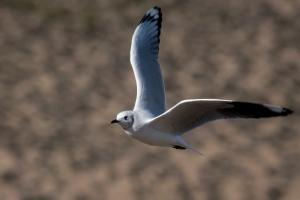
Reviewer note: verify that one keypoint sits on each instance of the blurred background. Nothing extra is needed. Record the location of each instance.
(65, 74)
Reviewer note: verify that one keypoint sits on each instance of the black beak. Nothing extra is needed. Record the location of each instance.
(114, 121)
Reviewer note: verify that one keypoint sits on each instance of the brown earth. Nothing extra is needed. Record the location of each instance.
(65, 73)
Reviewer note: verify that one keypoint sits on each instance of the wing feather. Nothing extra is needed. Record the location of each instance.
(189, 114)
(150, 97)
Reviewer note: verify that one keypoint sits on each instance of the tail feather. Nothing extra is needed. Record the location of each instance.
(184, 144)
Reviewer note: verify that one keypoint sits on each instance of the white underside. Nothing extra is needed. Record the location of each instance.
(154, 137)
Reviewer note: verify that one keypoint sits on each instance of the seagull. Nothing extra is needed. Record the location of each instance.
(149, 121)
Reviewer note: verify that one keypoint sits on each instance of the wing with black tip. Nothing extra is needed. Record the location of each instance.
(150, 97)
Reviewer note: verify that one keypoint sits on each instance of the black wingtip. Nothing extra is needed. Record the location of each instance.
(150, 16)
(286, 111)
(157, 8)
(255, 110)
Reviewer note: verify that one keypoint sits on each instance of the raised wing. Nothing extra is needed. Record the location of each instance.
(189, 114)
(150, 97)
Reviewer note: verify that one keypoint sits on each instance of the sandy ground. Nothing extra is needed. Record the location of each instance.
(65, 73)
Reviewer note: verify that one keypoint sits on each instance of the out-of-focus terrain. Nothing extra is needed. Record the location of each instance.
(65, 73)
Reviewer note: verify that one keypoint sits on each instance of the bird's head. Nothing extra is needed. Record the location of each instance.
(124, 119)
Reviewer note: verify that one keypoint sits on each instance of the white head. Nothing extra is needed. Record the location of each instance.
(124, 119)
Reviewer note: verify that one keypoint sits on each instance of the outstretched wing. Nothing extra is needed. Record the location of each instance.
(150, 97)
(189, 114)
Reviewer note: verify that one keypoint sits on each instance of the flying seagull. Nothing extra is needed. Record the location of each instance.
(149, 121)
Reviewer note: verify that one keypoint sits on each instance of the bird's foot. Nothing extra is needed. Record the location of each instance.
(178, 147)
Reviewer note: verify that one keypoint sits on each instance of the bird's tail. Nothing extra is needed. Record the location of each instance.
(184, 144)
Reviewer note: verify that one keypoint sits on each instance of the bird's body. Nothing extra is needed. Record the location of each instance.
(144, 133)
(154, 137)
(149, 122)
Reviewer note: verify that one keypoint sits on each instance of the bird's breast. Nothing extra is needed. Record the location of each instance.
(154, 137)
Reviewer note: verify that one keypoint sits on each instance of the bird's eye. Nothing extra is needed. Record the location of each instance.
(125, 117)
